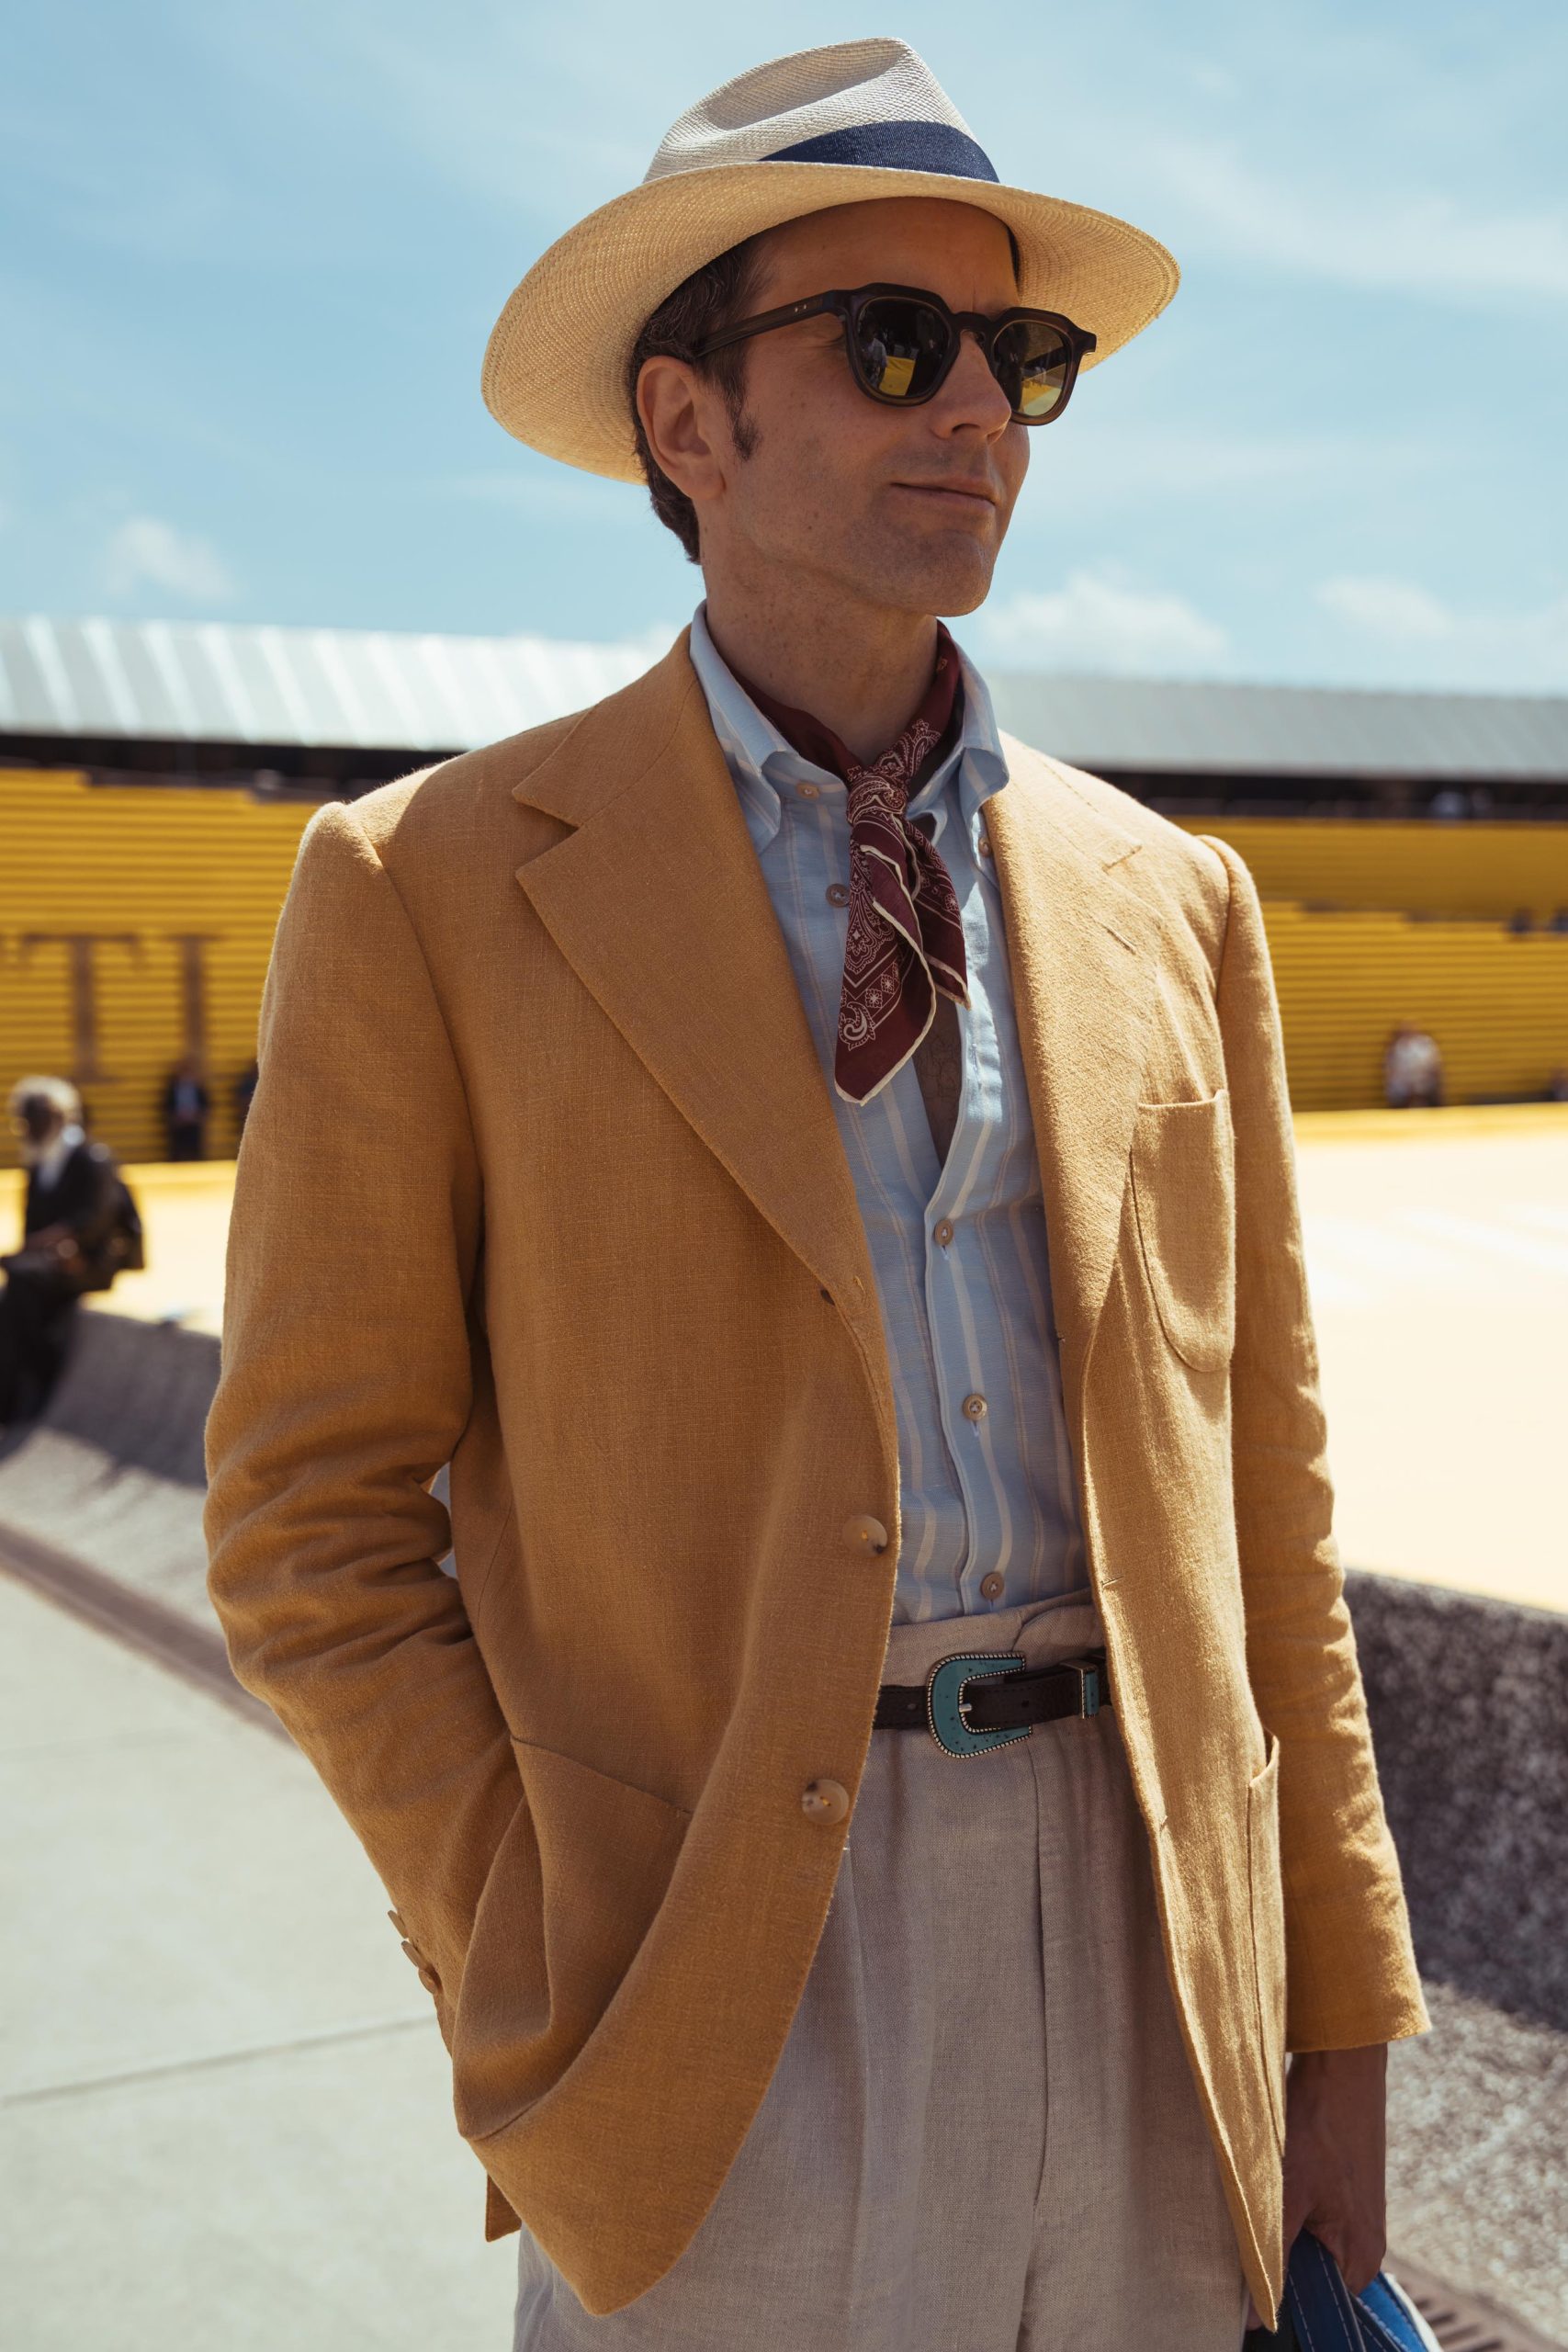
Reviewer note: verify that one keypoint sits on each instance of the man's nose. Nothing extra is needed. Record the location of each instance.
(972, 393)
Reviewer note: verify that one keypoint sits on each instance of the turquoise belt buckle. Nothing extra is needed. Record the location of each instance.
(945, 1702)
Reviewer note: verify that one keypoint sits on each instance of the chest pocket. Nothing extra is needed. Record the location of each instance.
(1184, 1198)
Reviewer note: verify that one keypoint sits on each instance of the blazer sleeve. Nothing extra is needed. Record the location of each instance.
(345, 1385)
(1351, 1976)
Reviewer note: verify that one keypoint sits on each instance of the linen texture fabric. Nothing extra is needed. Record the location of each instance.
(581, 1225)
(983, 2130)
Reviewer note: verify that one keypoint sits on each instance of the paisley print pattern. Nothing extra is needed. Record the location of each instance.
(906, 935)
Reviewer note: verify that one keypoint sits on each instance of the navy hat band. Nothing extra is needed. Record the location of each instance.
(896, 147)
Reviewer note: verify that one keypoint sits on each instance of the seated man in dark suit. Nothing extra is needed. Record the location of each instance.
(71, 1226)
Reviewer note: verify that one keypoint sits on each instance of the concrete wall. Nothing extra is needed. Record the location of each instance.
(1469, 1702)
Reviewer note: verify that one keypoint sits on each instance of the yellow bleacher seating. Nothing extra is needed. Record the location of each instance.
(1415, 867)
(137, 920)
(176, 893)
(1496, 1005)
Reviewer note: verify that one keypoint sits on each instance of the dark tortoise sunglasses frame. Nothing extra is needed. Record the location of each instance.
(846, 303)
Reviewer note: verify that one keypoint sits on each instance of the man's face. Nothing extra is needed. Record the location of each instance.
(36, 1123)
(907, 509)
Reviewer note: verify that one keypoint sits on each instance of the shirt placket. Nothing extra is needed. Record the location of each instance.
(955, 1282)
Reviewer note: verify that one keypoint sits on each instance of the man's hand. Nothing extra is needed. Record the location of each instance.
(1335, 2134)
(61, 1242)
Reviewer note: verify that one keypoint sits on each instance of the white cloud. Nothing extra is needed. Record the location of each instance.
(145, 552)
(1518, 651)
(542, 492)
(1413, 240)
(1098, 621)
(1397, 610)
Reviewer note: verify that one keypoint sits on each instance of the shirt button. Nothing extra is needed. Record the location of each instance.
(993, 1586)
(838, 894)
(825, 1802)
(975, 1407)
(809, 791)
(944, 1232)
(984, 844)
(864, 1534)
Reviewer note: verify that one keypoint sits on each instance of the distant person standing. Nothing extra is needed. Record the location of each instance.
(186, 1105)
(1412, 1069)
(71, 1224)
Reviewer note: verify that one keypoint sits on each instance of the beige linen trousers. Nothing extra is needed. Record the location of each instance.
(983, 2130)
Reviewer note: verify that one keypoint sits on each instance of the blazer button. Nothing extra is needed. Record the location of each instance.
(825, 1802)
(864, 1534)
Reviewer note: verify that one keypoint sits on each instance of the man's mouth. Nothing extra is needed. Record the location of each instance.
(970, 496)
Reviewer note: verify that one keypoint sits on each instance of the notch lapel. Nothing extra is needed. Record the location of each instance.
(1082, 960)
(657, 900)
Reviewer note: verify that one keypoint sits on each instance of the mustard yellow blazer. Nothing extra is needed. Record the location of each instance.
(542, 1178)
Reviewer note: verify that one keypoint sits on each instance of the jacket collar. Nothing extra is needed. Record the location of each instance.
(657, 901)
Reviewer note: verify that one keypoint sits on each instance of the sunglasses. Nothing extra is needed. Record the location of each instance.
(902, 342)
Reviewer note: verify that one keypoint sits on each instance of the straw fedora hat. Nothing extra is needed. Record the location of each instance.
(842, 125)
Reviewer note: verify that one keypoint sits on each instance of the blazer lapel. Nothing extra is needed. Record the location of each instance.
(657, 900)
(1082, 963)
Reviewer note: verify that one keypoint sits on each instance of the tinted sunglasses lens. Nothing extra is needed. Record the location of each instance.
(899, 347)
(1034, 365)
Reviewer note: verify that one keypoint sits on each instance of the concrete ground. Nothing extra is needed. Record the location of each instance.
(1438, 1249)
(224, 2109)
(225, 2120)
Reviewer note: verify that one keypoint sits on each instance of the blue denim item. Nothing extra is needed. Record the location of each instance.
(1319, 2314)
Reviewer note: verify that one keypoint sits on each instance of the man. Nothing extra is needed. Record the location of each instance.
(186, 1105)
(1413, 1069)
(70, 1230)
(822, 1173)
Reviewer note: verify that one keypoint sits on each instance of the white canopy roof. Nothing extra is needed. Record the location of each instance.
(211, 683)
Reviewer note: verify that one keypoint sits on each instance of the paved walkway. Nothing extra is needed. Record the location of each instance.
(1438, 1249)
(225, 2120)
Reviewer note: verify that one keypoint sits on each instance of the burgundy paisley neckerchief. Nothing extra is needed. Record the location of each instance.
(906, 936)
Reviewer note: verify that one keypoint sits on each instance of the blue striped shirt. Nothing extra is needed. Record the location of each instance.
(987, 1506)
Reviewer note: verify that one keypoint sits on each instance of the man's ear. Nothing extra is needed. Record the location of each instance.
(683, 417)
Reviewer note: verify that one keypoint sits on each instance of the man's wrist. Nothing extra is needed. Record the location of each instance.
(1369, 2061)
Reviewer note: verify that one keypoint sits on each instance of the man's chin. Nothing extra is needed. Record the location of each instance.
(949, 579)
(952, 590)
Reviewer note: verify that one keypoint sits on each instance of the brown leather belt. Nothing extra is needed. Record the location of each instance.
(976, 1700)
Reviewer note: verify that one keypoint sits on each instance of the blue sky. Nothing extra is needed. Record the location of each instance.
(254, 251)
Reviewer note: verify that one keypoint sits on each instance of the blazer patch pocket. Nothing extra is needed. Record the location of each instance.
(1184, 1199)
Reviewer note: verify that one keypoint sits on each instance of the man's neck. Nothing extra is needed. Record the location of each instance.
(863, 674)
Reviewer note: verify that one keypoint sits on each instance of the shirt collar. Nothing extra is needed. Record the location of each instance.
(764, 767)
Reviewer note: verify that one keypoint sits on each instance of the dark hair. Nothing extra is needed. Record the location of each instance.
(713, 296)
